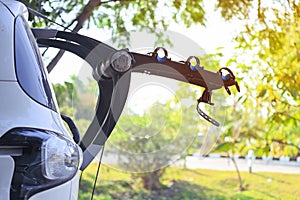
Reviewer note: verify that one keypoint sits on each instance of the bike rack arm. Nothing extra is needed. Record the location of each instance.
(113, 90)
(177, 70)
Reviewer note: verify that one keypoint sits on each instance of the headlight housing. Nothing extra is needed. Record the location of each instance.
(48, 159)
(61, 158)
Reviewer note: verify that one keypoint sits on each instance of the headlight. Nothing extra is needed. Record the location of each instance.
(61, 158)
(47, 160)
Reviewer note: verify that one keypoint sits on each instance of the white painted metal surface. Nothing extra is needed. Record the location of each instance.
(19, 110)
(66, 191)
(59, 192)
(7, 167)
(7, 69)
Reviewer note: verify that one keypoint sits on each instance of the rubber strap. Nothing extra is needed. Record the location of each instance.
(205, 116)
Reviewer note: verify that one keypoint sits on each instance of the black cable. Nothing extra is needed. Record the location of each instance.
(97, 173)
(36, 13)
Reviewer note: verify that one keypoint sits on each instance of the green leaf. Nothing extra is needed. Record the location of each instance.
(262, 151)
(262, 93)
(224, 147)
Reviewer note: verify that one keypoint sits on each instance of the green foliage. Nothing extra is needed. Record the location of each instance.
(65, 93)
(119, 17)
(271, 78)
(190, 12)
(235, 8)
(77, 99)
(225, 147)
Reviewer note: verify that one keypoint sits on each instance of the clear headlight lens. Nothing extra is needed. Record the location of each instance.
(61, 158)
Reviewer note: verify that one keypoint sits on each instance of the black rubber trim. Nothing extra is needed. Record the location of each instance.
(72, 127)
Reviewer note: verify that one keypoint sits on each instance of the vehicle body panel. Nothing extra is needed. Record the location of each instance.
(29, 113)
(16, 8)
(68, 191)
(7, 70)
(6, 174)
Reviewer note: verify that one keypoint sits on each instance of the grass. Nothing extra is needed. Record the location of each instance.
(187, 184)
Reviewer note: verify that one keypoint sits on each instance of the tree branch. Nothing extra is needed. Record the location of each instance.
(81, 18)
(285, 143)
(284, 113)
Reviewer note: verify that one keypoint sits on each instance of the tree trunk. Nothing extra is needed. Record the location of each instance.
(151, 181)
(241, 188)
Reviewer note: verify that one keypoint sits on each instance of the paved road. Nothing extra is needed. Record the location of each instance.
(226, 164)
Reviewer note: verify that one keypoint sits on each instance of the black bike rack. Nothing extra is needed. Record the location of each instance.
(114, 85)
